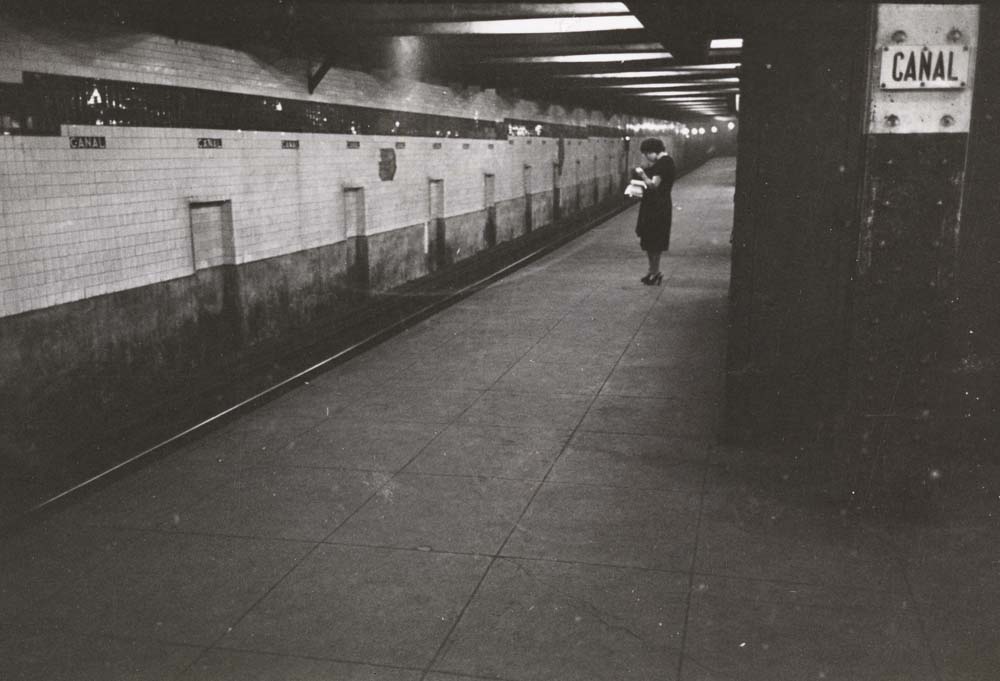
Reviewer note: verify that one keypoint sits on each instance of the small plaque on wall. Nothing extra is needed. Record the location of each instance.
(387, 164)
(437, 145)
(289, 144)
(209, 142)
(87, 143)
(400, 145)
(351, 144)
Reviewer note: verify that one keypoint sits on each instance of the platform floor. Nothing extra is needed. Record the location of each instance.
(525, 487)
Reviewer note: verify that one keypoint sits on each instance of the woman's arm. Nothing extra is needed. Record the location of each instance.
(653, 181)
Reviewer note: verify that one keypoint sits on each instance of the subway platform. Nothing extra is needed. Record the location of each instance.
(528, 486)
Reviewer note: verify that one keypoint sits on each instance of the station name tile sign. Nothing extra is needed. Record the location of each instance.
(209, 142)
(88, 143)
(928, 67)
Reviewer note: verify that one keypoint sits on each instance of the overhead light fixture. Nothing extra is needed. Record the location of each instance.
(678, 71)
(596, 58)
(670, 84)
(690, 98)
(726, 44)
(673, 93)
(730, 125)
(578, 24)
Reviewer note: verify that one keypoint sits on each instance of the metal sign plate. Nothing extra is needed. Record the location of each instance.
(924, 67)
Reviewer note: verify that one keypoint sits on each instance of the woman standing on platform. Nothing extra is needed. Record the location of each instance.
(653, 227)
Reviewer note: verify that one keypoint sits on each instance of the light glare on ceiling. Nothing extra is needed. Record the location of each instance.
(727, 44)
(598, 58)
(679, 71)
(615, 22)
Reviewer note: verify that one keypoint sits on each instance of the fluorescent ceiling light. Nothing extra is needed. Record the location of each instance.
(675, 93)
(675, 84)
(585, 58)
(614, 22)
(726, 44)
(690, 100)
(679, 71)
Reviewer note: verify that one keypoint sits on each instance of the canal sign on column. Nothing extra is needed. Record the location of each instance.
(931, 67)
(923, 69)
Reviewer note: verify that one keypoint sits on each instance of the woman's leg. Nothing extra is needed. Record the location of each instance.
(654, 261)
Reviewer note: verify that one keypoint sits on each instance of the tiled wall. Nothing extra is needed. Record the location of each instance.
(111, 311)
(81, 222)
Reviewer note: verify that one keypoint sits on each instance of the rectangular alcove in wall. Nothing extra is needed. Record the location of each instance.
(490, 203)
(217, 287)
(355, 232)
(528, 210)
(211, 234)
(435, 238)
(556, 192)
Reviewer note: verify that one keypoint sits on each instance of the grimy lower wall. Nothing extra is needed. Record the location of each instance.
(169, 208)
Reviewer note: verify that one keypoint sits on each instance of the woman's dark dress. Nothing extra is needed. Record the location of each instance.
(656, 208)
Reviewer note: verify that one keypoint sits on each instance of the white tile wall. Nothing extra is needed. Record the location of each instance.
(76, 223)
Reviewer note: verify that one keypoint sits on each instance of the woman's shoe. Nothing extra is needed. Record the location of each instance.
(652, 279)
(647, 280)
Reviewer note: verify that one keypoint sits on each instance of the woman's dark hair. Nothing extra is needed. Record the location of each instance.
(651, 145)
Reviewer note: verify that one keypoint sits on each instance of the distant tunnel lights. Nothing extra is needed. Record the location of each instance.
(730, 125)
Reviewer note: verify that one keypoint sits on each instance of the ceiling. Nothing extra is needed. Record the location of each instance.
(648, 57)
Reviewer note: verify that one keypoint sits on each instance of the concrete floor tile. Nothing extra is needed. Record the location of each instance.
(443, 513)
(242, 442)
(363, 370)
(368, 605)
(652, 416)
(505, 452)
(361, 444)
(625, 460)
(502, 408)
(952, 567)
(173, 588)
(310, 401)
(541, 621)
(747, 534)
(655, 381)
(497, 348)
(56, 655)
(764, 632)
(40, 560)
(232, 665)
(411, 404)
(552, 351)
(524, 325)
(609, 525)
(452, 373)
(545, 377)
(281, 503)
(148, 497)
